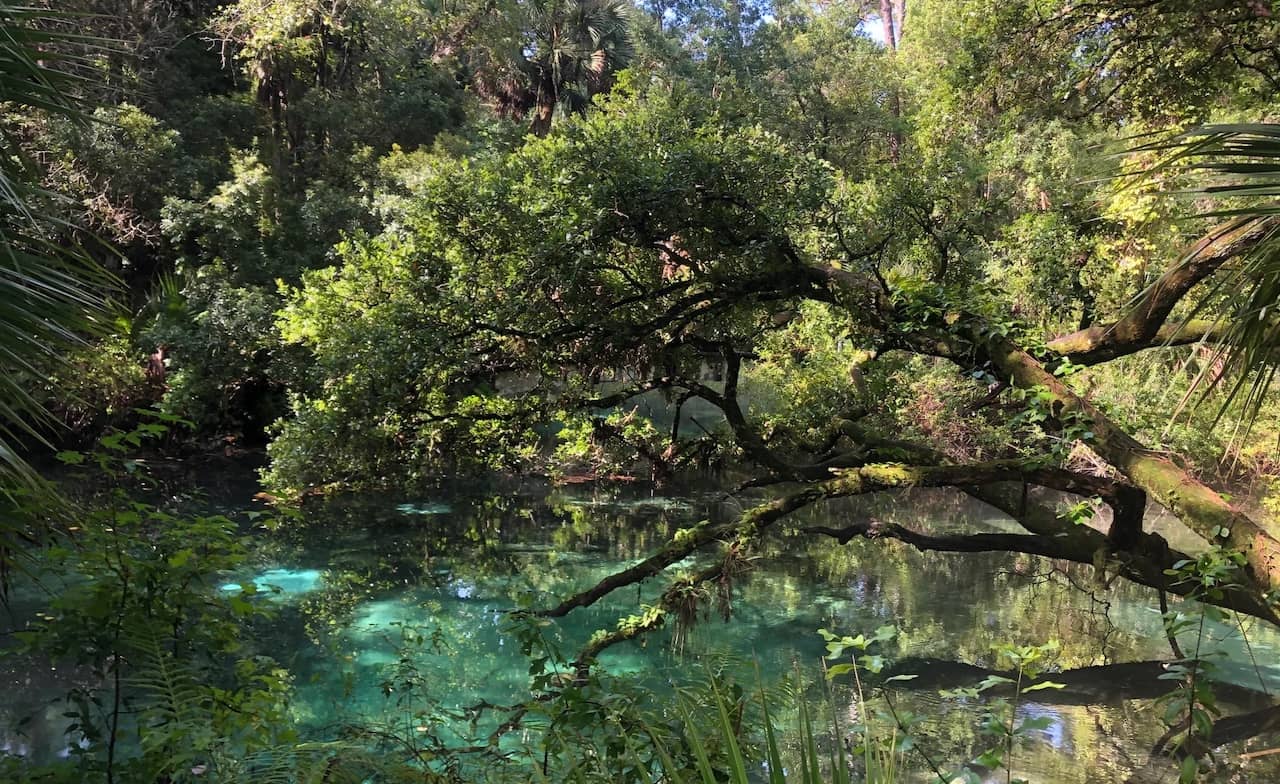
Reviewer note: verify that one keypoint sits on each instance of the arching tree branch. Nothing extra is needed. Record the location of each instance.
(848, 482)
(1143, 325)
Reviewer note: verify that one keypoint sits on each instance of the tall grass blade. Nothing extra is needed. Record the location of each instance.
(811, 773)
(698, 746)
(774, 755)
(737, 766)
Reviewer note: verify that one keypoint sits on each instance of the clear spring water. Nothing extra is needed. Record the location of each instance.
(363, 573)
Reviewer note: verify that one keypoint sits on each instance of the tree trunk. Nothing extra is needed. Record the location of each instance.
(886, 19)
(540, 125)
(1197, 505)
(895, 100)
(544, 107)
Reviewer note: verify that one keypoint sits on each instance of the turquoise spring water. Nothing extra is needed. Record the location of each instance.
(370, 589)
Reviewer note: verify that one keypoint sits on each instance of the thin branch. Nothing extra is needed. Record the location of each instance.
(685, 543)
(1083, 545)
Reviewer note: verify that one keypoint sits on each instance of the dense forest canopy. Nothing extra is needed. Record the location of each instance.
(1018, 248)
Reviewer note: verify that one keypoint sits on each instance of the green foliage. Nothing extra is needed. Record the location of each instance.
(811, 76)
(176, 686)
(99, 387)
(332, 221)
(1192, 707)
(883, 736)
(408, 389)
(119, 167)
(1000, 723)
(1123, 61)
(807, 374)
(226, 358)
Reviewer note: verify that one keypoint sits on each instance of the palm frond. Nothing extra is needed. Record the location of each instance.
(581, 44)
(1239, 166)
(52, 295)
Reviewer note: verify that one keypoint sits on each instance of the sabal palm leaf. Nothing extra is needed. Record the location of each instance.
(51, 293)
(580, 42)
(1240, 169)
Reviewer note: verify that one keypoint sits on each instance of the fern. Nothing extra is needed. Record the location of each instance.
(316, 763)
(175, 722)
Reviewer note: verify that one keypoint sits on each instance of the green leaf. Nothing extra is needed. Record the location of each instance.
(991, 758)
(836, 670)
(1188, 770)
(737, 765)
(992, 681)
(1036, 723)
(773, 755)
(698, 746)
(1045, 685)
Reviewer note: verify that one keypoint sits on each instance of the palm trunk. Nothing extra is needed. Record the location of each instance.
(545, 109)
(545, 100)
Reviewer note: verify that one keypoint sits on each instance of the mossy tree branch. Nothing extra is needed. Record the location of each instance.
(847, 482)
(1079, 544)
(1198, 506)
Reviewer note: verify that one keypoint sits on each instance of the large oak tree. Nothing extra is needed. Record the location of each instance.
(641, 244)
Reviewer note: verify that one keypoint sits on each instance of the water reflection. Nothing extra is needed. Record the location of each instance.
(424, 508)
(388, 606)
(461, 574)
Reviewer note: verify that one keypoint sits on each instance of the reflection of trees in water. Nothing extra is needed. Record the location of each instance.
(1125, 735)
(966, 605)
(972, 600)
(481, 535)
(500, 545)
